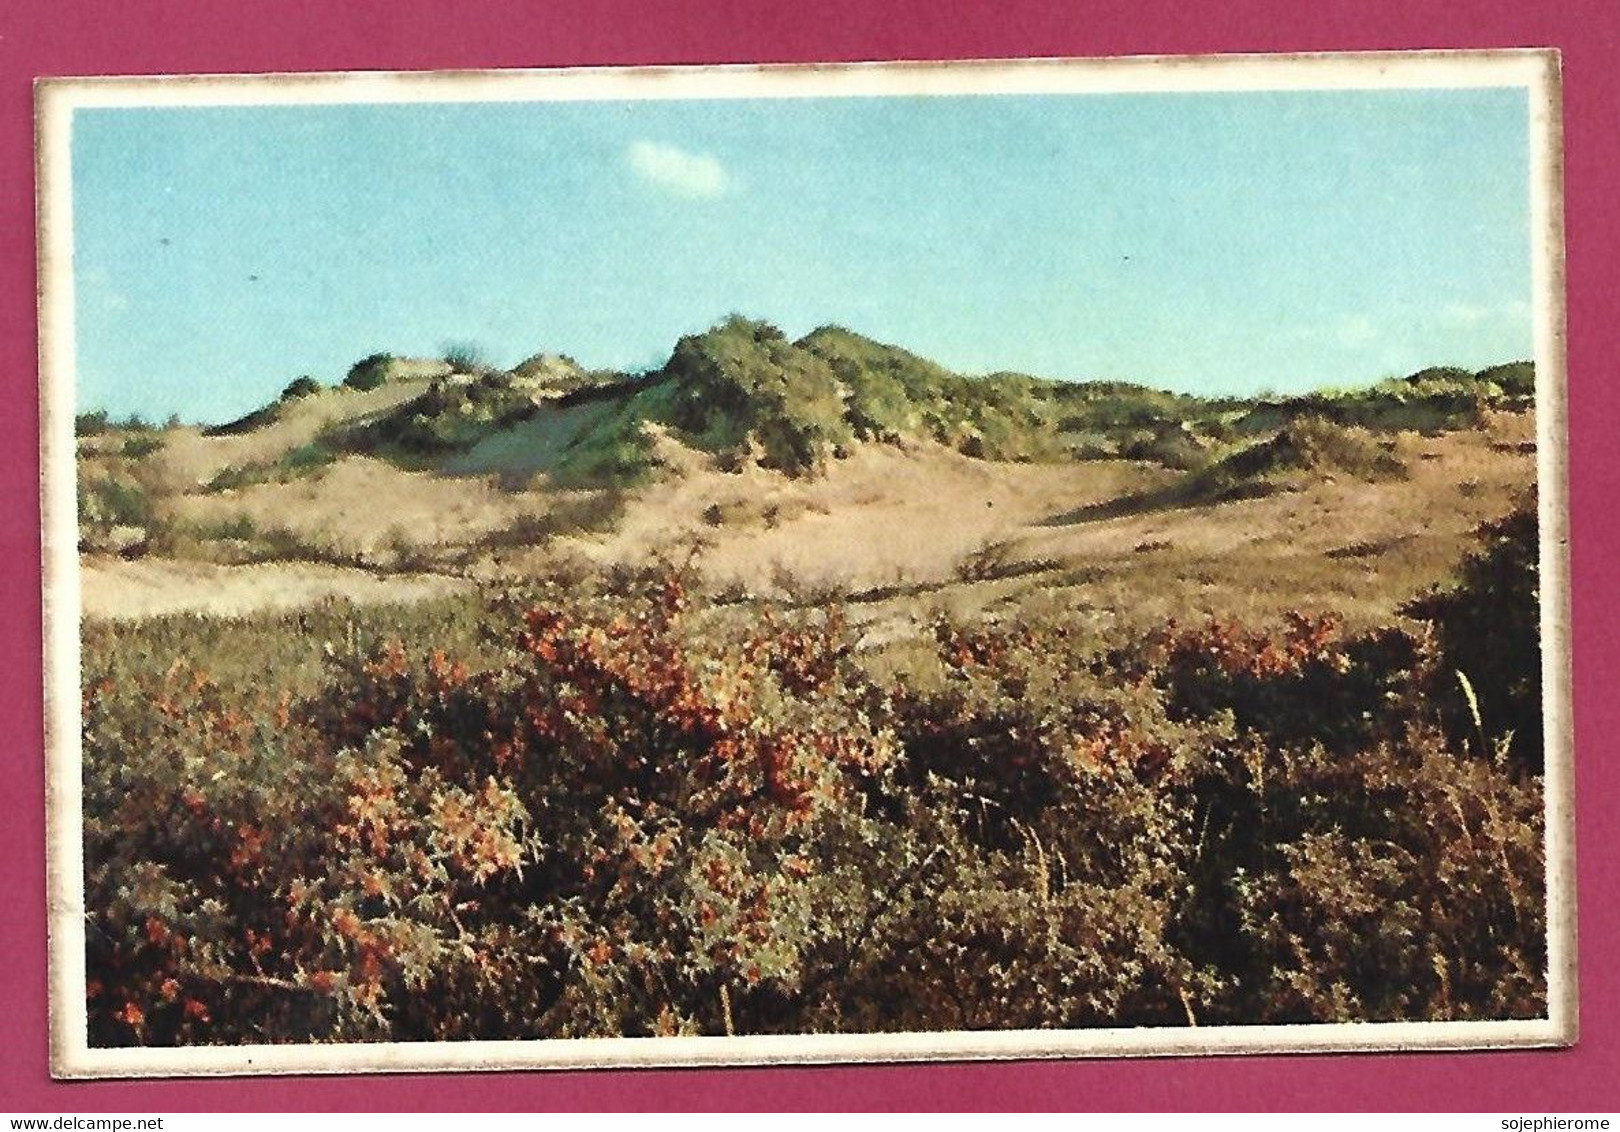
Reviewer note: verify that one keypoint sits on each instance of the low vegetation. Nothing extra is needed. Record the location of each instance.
(113, 502)
(1301, 454)
(452, 416)
(1302, 451)
(606, 807)
(304, 386)
(303, 460)
(100, 422)
(1499, 657)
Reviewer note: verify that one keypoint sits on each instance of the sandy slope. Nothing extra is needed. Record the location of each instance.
(190, 458)
(881, 516)
(909, 520)
(531, 446)
(1360, 549)
(360, 504)
(112, 587)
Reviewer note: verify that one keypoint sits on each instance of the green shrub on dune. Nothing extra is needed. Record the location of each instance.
(744, 381)
(300, 387)
(742, 391)
(369, 372)
(894, 394)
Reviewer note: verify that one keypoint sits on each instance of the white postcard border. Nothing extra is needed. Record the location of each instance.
(1536, 70)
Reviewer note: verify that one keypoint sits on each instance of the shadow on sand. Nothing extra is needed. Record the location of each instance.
(1183, 495)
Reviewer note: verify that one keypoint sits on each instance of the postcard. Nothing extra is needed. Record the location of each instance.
(737, 565)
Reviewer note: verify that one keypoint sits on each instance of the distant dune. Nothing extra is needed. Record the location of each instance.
(831, 464)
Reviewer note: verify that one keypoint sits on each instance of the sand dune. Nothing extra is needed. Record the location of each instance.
(360, 504)
(113, 588)
(975, 534)
(529, 447)
(881, 515)
(189, 458)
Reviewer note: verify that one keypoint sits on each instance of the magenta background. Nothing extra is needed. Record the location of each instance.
(76, 37)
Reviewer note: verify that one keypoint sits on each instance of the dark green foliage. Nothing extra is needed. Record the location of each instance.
(615, 451)
(1296, 456)
(369, 372)
(99, 422)
(1431, 400)
(452, 416)
(237, 528)
(303, 460)
(1308, 444)
(1371, 890)
(1515, 379)
(743, 382)
(1489, 626)
(1177, 446)
(465, 357)
(1117, 406)
(251, 422)
(112, 502)
(1301, 685)
(140, 445)
(1439, 376)
(300, 387)
(895, 394)
(91, 424)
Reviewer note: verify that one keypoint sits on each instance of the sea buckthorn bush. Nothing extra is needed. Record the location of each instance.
(629, 811)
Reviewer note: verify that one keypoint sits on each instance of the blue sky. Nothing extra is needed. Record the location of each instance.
(1204, 242)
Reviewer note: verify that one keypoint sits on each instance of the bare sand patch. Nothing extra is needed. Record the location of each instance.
(359, 504)
(1361, 549)
(898, 526)
(190, 458)
(149, 587)
(883, 514)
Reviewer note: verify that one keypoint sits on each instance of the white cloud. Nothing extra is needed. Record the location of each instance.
(692, 176)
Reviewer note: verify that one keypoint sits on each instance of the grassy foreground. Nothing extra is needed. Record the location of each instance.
(613, 808)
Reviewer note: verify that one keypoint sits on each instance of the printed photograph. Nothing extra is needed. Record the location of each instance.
(752, 564)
